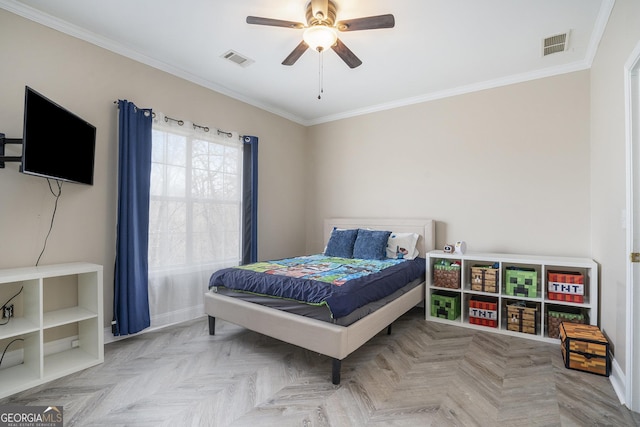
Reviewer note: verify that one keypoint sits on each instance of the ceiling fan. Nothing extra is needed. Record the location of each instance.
(320, 31)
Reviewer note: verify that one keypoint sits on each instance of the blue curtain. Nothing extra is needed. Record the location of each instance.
(250, 200)
(131, 294)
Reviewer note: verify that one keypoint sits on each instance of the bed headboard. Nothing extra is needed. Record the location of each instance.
(424, 227)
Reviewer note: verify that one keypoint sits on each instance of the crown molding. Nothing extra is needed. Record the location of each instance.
(118, 48)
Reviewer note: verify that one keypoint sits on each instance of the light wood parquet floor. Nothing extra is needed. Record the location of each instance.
(423, 374)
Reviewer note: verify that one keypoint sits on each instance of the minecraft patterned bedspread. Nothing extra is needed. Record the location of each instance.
(343, 284)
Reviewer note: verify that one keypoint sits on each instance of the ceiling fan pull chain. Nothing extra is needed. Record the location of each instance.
(320, 74)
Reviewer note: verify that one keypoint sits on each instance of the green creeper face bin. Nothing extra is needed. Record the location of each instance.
(521, 282)
(445, 305)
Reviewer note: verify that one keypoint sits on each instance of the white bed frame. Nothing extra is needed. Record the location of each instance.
(325, 338)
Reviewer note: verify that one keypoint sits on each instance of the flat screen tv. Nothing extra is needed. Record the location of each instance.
(56, 143)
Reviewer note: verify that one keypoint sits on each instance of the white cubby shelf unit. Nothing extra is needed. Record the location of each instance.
(61, 303)
(542, 265)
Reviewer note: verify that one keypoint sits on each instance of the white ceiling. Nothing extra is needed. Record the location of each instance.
(437, 48)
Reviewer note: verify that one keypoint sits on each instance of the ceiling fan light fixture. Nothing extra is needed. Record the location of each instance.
(320, 37)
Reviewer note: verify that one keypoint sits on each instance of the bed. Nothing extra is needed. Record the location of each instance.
(334, 340)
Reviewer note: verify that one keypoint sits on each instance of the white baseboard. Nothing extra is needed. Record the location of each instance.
(161, 321)
(618, 381)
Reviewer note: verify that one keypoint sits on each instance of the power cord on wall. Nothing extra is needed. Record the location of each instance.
(6, 304)
(53, 215)
(2, 309)
(7, 347)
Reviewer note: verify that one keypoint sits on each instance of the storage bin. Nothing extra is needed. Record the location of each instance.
(554, 318)
(483, 312)
(521, 282)
(565, 286)
(446, 274)
(522, 318)
(585, 348)
(445, 305)
(484, 278)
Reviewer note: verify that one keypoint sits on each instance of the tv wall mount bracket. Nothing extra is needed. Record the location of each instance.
(4, 158)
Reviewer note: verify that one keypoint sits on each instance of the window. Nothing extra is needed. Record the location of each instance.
(194, 216)
(195, 201)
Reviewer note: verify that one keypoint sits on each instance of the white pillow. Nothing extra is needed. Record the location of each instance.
(402, 244)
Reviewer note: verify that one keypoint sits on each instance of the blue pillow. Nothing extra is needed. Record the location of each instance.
(371, 244)
(341, 243)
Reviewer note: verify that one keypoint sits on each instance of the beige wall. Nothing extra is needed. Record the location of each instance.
(608, 167)
(506, 169)
(87, 79)
(536, 167)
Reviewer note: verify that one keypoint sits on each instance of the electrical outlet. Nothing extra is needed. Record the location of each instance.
(7, 312)
(75, 343)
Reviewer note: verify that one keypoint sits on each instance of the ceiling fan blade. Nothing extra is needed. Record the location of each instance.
(345, 53)
(368, 23)
(320, 7)
(273, 22)
(296, 53)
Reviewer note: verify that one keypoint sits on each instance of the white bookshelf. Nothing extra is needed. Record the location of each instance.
(542, 265)
(34, 318)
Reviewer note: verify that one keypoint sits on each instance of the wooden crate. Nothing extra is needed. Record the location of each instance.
(446, 275)
(483, 312)
(565, 286)
(585, 348)
(484, 278)
(522, 318)
(555, 318)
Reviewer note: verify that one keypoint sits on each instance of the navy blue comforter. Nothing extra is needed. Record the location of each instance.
(342, 284)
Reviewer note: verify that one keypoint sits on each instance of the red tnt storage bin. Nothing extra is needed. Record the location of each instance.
(565, 286)
(483, 312)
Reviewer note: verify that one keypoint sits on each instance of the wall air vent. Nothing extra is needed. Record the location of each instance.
(236, 58)
(556, 43)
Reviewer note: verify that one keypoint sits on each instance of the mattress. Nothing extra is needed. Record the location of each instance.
(338, 290)
(319, 312)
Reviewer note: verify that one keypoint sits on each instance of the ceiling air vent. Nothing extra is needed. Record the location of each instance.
(236, 58)
(554, 44)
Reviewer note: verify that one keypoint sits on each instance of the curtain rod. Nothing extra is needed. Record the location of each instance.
(195, 126)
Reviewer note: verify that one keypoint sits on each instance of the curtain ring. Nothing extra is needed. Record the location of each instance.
(204, 128)
(167, 118)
